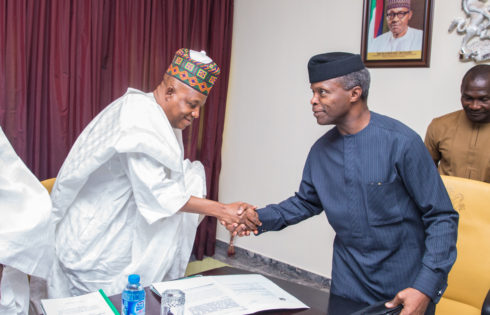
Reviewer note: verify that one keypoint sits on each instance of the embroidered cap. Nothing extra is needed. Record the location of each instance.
(392, 4)
(333, 65)
(194, 69)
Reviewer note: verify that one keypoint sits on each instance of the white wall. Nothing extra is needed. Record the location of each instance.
(269, 125)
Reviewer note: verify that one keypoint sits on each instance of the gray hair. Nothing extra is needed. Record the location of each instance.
(359, 78)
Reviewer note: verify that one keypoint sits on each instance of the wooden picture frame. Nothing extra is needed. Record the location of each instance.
(386, 39)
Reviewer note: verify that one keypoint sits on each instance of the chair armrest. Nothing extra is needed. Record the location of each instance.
(485, 310)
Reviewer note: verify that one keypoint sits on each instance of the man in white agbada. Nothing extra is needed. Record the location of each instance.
(26, 235)
(401, 37)
(125, 201)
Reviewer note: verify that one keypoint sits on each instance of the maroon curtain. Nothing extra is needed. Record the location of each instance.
(63, 61)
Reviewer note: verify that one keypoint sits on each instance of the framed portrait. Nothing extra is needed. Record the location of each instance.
(396, 33)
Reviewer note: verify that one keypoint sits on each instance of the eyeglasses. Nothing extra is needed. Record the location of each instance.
(400, 15)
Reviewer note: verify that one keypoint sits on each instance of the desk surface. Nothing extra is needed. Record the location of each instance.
(320, 302)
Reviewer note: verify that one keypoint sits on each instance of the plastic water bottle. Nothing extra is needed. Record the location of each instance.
(133, 297)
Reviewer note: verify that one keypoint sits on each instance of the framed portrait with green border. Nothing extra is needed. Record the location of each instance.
(396, 33)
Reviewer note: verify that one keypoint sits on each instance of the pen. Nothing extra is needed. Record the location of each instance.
(113, 308)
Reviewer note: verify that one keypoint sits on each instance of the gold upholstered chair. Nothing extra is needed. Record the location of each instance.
(469, 280)
(48, 183)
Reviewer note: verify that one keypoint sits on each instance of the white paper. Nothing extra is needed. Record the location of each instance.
(231, 294)
(87, 304)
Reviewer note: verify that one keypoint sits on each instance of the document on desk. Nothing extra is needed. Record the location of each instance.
(230, 294)
(95, 303)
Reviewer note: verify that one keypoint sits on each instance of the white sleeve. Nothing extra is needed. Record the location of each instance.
(195, 178)
(26, 234)
(15, 292)
(157, 191)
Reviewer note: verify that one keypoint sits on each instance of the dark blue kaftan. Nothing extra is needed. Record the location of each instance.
(394, 222)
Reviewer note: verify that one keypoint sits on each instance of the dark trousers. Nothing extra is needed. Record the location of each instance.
(341, 306)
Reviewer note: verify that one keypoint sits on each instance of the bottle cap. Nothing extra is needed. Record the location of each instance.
(134, 279)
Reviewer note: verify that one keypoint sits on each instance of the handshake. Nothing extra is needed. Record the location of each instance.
(240, 218)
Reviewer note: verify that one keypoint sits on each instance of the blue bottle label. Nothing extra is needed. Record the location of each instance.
(133, 307)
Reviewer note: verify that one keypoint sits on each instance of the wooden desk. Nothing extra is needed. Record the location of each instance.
(320, 302)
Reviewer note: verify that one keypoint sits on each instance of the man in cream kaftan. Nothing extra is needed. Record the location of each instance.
(25, 230)
(116, 201)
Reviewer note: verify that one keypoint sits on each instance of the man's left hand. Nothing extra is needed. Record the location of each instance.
(248, 220)
(414, 302)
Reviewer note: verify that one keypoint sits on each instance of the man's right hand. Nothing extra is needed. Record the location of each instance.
(231, 215)
(248, 221)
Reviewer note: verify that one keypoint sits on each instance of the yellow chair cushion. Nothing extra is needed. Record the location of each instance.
(199, 266)
(448, 306)
(48, 184)
(469, 279)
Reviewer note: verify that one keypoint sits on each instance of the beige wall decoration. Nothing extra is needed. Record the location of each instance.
(475, 28)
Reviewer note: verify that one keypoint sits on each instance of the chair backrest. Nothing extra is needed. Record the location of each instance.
(48, 184)
(469, 279)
